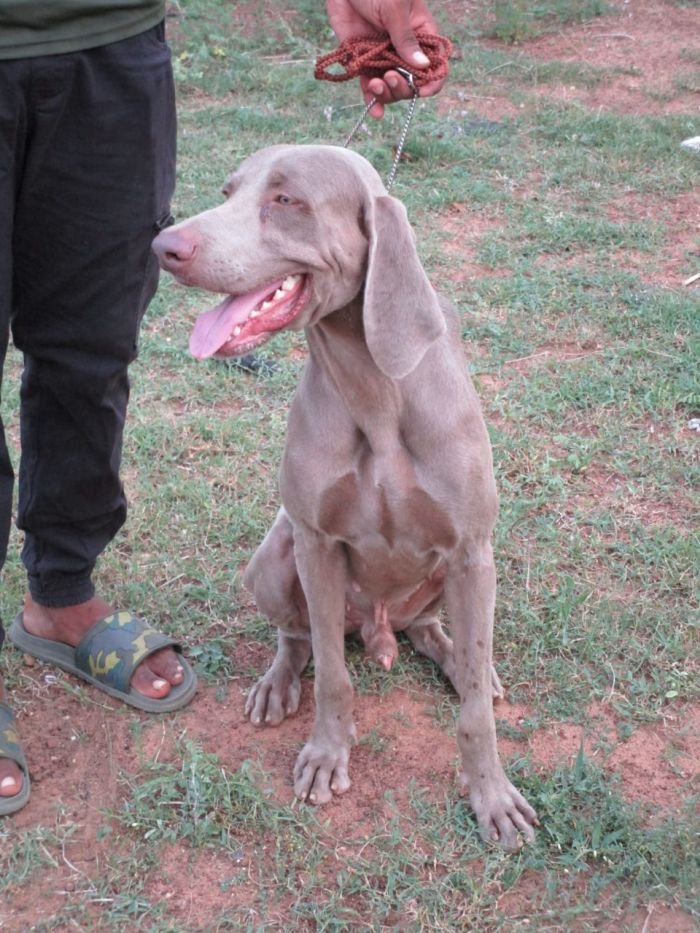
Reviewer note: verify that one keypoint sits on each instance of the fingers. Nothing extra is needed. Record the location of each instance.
(400, 19)
(391, 88)
(386, 90)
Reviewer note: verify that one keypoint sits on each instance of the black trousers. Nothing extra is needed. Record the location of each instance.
(87, 170)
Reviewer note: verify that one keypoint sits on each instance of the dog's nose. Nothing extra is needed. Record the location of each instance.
(175, 249)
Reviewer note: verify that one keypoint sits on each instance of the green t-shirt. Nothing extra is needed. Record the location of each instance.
(50, 27)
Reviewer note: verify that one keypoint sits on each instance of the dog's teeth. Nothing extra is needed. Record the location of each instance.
(236, 331)
(265, 305)
(289, 282)
(278, 294)
(254, 313)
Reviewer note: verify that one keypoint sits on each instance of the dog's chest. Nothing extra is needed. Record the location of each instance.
(376, 465)
(379, 504)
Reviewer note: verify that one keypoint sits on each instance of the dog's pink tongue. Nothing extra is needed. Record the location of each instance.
(213, 328)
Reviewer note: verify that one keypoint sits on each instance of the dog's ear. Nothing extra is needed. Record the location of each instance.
(402, 315)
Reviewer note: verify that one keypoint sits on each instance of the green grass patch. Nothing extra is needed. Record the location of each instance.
(517, 20)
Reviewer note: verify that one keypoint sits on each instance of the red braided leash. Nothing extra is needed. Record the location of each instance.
(372, 58)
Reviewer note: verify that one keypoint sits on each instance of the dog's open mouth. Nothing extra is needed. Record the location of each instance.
(242, 322)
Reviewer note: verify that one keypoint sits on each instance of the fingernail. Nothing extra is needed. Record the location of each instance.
(159, 683)
(392, 82)
(7, 782)
(420, 59)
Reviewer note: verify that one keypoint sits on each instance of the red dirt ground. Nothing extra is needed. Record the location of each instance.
(656, 765)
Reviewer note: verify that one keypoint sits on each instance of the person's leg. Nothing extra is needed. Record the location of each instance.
(10, 774)
(96, 184)
(11, 777)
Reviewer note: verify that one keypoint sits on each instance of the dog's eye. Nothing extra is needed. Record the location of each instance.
(284, 199)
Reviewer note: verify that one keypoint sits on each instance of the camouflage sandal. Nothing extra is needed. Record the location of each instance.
(107, 657)
(10, 748)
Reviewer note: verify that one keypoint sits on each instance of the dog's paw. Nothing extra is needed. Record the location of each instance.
(320, 772)
(273, 697)
(502, 813)
(497, 691)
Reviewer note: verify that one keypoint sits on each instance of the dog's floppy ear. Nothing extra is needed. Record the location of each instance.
(402, 315)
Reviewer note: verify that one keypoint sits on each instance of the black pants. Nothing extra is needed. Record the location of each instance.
(87, 168)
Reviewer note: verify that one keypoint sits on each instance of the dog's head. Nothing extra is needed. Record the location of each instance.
(302, 231)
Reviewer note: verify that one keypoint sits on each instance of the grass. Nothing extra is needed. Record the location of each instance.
(586, 360)
(421, 865)
(516, 20)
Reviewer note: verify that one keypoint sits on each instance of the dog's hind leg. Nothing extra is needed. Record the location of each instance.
(428, 637)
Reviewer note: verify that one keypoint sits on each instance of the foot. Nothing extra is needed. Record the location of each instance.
(11, 776)
(154, 677)
(274, 696)
(502, 813)
(277, 694)
(321, 770)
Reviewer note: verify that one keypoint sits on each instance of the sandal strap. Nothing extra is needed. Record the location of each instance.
(113, 648)
(9, 738)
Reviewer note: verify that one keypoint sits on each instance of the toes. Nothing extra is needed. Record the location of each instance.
(504, 816)
(340, 782)
(158, 673)
(147, 682)
(272, 699)
(293, 698)
(510, 828)
(10, 778)
(507, 834)
(318, 776)
(497, 691)
(166, 664)
(308, 790)
(259, 710)
(249, 708)
(317, 787)
(269, 710)
(524, 827)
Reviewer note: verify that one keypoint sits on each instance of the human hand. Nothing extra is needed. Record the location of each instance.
(400, 19)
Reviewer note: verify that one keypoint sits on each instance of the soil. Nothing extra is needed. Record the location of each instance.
(655, 765)
(647, 41)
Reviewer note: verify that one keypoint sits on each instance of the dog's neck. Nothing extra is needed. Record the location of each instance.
(338, 348)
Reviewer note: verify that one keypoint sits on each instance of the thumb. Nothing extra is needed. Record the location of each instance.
(402, 36)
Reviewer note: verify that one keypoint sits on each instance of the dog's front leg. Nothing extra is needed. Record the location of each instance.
(470, 589)
(321, 769)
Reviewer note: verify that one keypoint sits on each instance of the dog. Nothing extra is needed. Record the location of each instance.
(387, 484)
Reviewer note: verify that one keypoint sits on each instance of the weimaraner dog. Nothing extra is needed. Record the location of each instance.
(387, 482)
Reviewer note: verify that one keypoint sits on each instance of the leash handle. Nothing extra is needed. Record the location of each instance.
(363, 56)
